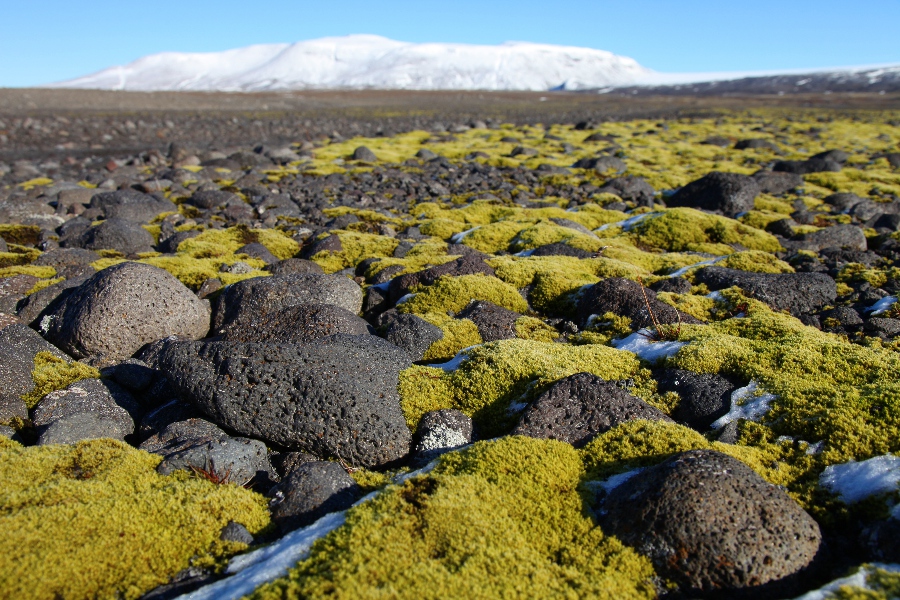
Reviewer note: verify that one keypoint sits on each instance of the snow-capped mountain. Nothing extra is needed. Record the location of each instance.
(369, 61)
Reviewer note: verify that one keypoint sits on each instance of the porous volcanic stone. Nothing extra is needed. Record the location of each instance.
(131, 205)
(413, 334)
(19, 344)
(577, 408)
(709, 522)
(837, 236)
(311, 491)
(705, 397)
(299, 324)
(233, 460)
(121, 308)
(101, 398)
(725, 193)
(249, 300)
(625, 298)
(776, 182)
(123, 235)
(560, 249)
(294, 265)
(78, 427)
(630, 187)
(493, 322)
(337, 397)
(799, 293)
(440, 431)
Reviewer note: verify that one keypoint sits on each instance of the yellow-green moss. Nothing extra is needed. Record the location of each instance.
(34, 271)
(696, 306)
(458, 334)
(546, 232)
(755, 261)
(503, 519)
(880, 585)
(529, 328)
(95, 520)
(51, 373)
(22, 235)
(356, 247)
(500, 373)
(680, 229)
(215, 243)
(454, 293)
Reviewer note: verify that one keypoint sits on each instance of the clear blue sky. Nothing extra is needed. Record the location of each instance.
(52, 40)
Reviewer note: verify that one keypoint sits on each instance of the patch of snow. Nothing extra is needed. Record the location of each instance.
(454, 363)
(745, 404)
(381, 287)
(816, 448)
(525, 253)
(858, 579)
(457, 238)
(717, 296)
(703, 263)
(882, 305)
(640, 344)
(855, 481)
(628, 223)
(608, 485)
(405, 298)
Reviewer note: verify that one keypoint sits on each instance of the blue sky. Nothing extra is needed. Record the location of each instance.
(52, 40)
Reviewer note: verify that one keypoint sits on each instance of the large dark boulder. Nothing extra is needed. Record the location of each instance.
(244, 303)
(726, 193)
(493, 322)
(299, 325)
(311, 491)
(413, 334)
(116, 233)
(625, 298)
(710, 523)
(578, 408)
(335, 398)
(798, 293)
(131, 205)
(121, 308)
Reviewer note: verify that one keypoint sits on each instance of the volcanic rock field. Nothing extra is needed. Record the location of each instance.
(597, 359)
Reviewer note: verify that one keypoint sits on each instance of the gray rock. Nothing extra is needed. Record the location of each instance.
(798, 293)
(249, 300)
(170, 244)
(493, 322)
(705, 397)
(755, 143)
(568, 223)
(777, 183)
(676, 285)
(285, 462)
(294, 265)
(131, 205)
(601, 164)
(560, 249)
(299, 324)
(116, 233)
(133, 374)
(232, 460)
(31, 308)
(726, 193)
(311, 491)
(364, 154)
(257, 250)
(578, 408)
(18, 346)
(842, 201)
(803, 167)
(179, 435)
(337, 397)
(213, 199)
(468, 264)
(66, 257)
(838, 156)
(101, 398)
(121, 308)
(331, 243)
(235, 532)
(883, 327)
(625, 298)
(630, 187)
(80, 426)
(709, 522)
(782, 227)
(412, 333)
(440, 431)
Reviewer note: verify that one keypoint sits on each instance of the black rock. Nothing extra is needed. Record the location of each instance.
(578, 408)
(66, 257)
(630, 187)
(133, 374)
(838, 156)
(493, 322)
(560, 249)
(34, 307)
(227, 460)
(257, 250)
(677, 285)
(294, 266)
(116, 233)
(883, 327)
(299, 324)
(113, 410)
(364, 154)
(235, 532)
(798, 293)
(335, 398)
(624, 297)
(468, 264)
(170, 244)
(705, 397)
(413, 334)
(726, 193)
(850, 237)
(777, 183)
(18, 346)
(213, 198)
(311, 491)
(248, 301)
(842, 201)
(180, 435)
(710, 523)
(810, 165)
(756, 143)
(601, 164)
(131, 205)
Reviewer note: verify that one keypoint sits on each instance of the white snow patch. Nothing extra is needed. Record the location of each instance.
(454, 363)
(855, 481)
(858, 579)
(405, 298)
(381, 287)
(525, 253)
(703, 263)
(457, 238)
(882, 305)
(745, 404)
(640, 344)
(717, 296)
(608, 485)
(628, 223)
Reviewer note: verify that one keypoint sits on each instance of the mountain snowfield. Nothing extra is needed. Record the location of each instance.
(372, 62)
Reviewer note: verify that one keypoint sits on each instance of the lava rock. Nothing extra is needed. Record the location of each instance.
(756, 143)
(630, 188)
(727, 193)
(133, 374)
(838, 236)
(116, 233)
(705, 397)
(798, 293)
(842, 201)
(298, 325)
(18, 346)
(440, 431)
(578, 408)
(208, 199)
(115, 409)
(676, 285)
(777, 182)
(78, 427)
(709, 522)
(337, 397)
(364, 154)
(231, 460)
(121, 308)
(413, 334)
(804, 167)
(625, 297)
(178, 435)
(560, 249)
(294, 266)
(131, 205)
(248, 301)
(493, 322)
(257, 250)
(311, 491)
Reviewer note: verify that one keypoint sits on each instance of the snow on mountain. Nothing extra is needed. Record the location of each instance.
(369, 61)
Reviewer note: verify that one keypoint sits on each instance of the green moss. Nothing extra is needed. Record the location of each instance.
(755, 261)
(680, 229)
(880, 585)
(95, 520)
(356, 247)
(760, 219)
(454, 293)
(498, 374)
(858, 273)
(494, 237)
(51, 373)
(546, 232)
(697, 306)
(418, 540)
(458, 334)
(22, 235)
(529, 328)
(218, 243)
(34, 271)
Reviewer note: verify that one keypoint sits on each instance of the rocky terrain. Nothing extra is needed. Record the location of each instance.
(500, 354)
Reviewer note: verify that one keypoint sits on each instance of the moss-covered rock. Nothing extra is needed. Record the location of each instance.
(52, 373)
(454, 293)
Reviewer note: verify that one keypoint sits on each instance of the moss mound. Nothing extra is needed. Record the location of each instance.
(686, 229)
(52, 373)
(454, 293)
(502, 519)
(95, 520)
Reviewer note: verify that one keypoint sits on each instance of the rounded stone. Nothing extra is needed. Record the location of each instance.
(311, 491)
(299, 324)
(725, 193)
